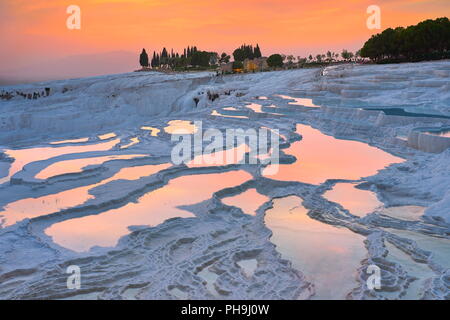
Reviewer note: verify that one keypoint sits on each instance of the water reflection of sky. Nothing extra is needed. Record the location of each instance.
(328, 256)
(321, 157)
(153, 208)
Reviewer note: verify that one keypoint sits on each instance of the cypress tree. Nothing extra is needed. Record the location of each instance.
(154, 60)
(164, 53)
(143, 58)
(257, 52)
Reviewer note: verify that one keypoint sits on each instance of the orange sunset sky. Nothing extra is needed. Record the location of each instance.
(34, 33)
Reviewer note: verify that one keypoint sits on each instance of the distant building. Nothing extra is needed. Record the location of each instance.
(254, 65)
(250, 65)
(226, 67)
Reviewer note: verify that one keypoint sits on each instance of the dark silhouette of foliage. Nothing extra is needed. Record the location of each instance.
(347, 55)
(275, 60)
(190, 56)
(428, 40)
(143, 58)
(200, 58)
(239, 55)
(153, 62)
(257, 52)
(224, 58)
(246, 52)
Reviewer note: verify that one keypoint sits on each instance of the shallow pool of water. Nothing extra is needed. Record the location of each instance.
(24, 156)
(321, 157)
(34, 207)
(77, 165)
(180, 127)
(217, 114)
(151, 209)
(305, 102)
(220, 158)
(70, 141)
(439, 246)
(358, 202)
(249, 201)
(107, 136)
(255, 107)
(328, 256)
(133, 141)
(153, 131)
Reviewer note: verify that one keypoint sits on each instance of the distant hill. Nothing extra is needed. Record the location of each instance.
(76, 66)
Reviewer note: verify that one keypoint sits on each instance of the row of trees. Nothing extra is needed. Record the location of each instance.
(279, 60)
(330, 56)
(247, 52)
(191, 56)
(428, 40)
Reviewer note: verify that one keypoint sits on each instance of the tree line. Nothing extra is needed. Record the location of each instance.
(191, 56)
(428, 40)
(194, 58)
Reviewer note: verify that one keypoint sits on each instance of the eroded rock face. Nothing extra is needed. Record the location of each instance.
(424, 141)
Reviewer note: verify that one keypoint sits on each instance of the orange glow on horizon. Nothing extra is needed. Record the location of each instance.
(33, 31)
